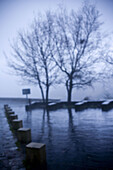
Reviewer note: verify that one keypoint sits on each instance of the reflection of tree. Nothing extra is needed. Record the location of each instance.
(46, 116)
(72, 132)
(71, 126)
(49, 126)
(42, 126)
(43, 122)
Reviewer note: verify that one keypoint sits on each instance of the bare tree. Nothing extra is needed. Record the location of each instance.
(59, 42)
(32, 54)
(78, 41)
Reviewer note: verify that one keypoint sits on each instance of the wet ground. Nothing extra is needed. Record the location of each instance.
(74, 140)
(10, 157)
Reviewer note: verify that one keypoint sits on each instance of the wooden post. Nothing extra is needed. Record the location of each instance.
(5, 106)
(36, 155)
(10, 113)
(12, 117)
(24, 135)
(8, 110)
(17, 124)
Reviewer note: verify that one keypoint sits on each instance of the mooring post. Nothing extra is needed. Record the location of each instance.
(12, 117)
(36, 155)
(8, 110)
(5, 106)
(24, 135)
(17, 124)
(10, 113)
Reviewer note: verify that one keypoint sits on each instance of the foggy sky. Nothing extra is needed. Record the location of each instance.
(17, 15)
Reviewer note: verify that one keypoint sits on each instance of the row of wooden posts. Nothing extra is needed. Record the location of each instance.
(35, 152)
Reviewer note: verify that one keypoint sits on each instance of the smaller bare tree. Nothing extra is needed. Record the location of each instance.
(32, 55)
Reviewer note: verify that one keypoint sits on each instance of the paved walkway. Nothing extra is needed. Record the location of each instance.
(10, 157)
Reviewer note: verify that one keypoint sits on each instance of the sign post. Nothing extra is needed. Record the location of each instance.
(26, 92)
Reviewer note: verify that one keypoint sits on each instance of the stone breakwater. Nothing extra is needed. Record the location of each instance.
(10, 157)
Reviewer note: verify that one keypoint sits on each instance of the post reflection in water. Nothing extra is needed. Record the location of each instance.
(73, 140)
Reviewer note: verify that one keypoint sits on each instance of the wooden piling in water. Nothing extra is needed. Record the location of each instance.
(24, 135)
(36, 155)
(17, 124)
(12, 117)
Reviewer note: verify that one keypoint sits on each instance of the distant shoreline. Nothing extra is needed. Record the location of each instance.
(17, 98)
(24, 98)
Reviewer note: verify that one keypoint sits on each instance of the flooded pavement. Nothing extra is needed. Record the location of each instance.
(10, 157)
(74, 140)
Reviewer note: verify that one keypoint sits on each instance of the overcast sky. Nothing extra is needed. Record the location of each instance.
(18, 14)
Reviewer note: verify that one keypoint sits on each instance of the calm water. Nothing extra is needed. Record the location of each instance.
(74, 140)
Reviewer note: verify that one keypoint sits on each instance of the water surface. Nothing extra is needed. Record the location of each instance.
(74, 140)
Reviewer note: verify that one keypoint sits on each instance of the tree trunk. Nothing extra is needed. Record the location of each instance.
(69, 94)
(42, 93)
(69, 88)
(47, 84)
(47, 95)
(41, 88)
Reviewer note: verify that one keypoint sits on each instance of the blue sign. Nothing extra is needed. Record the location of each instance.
(26, 91)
